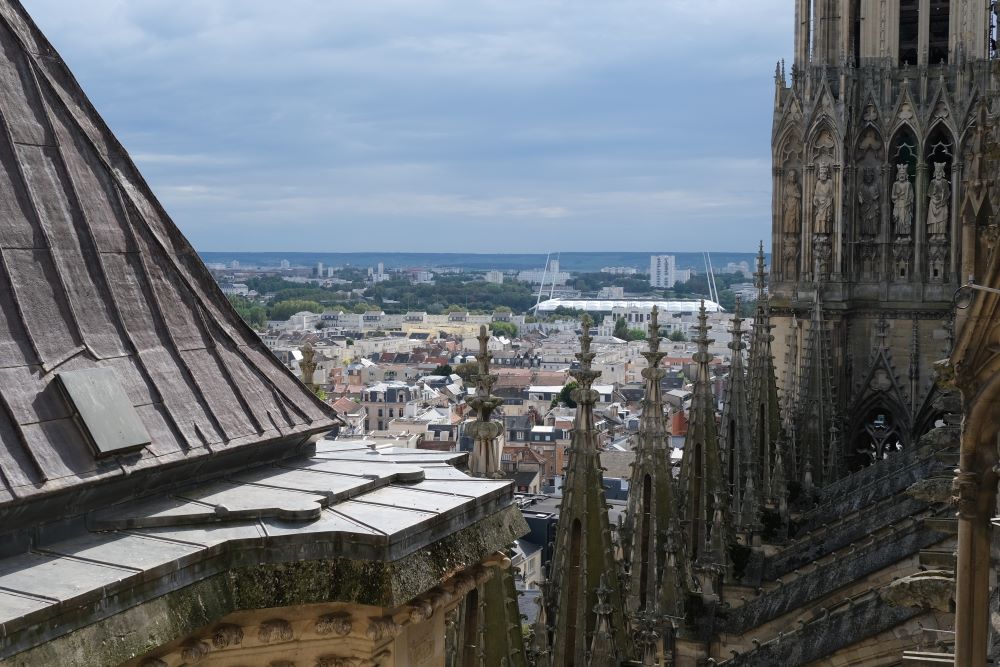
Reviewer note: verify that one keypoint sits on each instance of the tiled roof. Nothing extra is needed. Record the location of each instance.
(93, 273)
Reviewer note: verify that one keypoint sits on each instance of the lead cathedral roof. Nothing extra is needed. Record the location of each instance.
(94, 274)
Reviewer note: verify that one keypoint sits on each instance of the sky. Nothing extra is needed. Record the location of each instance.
(440, 125)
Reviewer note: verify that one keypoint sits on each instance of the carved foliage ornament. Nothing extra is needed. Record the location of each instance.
(275, 630)
(383, 627)
(227, 635)
(193, 651)
(338, 623)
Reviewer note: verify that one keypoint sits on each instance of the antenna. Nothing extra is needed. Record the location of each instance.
(542, 285)
(710, 277)
(713, 288)
(552, 285)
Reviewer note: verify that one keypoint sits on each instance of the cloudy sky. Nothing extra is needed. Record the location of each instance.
(440, 125)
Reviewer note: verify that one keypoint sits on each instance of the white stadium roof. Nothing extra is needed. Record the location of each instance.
(607, 305)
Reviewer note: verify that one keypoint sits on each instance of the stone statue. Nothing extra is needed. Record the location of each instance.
(791, 207)
(902, 202)
(939, 192)
(868, 198)
(823, 201)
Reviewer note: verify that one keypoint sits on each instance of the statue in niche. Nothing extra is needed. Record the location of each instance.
(939, 192)
(791, 207)
(868, 198)
(902, 202)
(823, 201)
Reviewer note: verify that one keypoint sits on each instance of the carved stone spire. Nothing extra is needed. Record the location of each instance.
(603, 651)
(765, 418)
(308, 366)
(703, 487)
(652, 514)
(540, 650)
(583, 547)
(739, 464)
(485, 458)
(779, 489)
(500, 620)
(814, 412)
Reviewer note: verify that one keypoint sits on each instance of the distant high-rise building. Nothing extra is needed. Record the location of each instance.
(319, 269)
(285, 264)
(662, 271)
(495, 277)
(235, 264)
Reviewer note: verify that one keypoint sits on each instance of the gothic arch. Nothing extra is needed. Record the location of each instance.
(879, 425)
(941, 111)
(879, 421)
(905, 148)
(788, 146)
(940, 143)
(824, 143)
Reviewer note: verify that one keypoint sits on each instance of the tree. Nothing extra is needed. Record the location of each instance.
(677, 336)
(282, 310)
(508, 329)
(443, 369)
(566, 395)
(621, 329)
(467, 371)
(635, 334)
(252, 313)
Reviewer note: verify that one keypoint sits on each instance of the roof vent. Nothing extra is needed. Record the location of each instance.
(102, 410)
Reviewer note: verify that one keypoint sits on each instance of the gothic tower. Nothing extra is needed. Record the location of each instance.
(873, 128)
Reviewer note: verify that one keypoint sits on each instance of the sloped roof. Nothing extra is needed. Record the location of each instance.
(93, 273)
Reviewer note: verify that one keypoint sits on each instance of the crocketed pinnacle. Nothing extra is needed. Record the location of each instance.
(583, 546)
(651, 512)
(500, 621)
(703, 487)
(765, 417)
(739, 464)
(485, 458)
(603, 651)
(814, 412)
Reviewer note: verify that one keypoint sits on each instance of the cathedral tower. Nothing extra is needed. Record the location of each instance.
(872, 130)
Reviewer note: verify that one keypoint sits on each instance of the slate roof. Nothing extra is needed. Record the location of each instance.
(93, 273)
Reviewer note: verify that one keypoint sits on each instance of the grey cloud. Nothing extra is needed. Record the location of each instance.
(485, 125)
